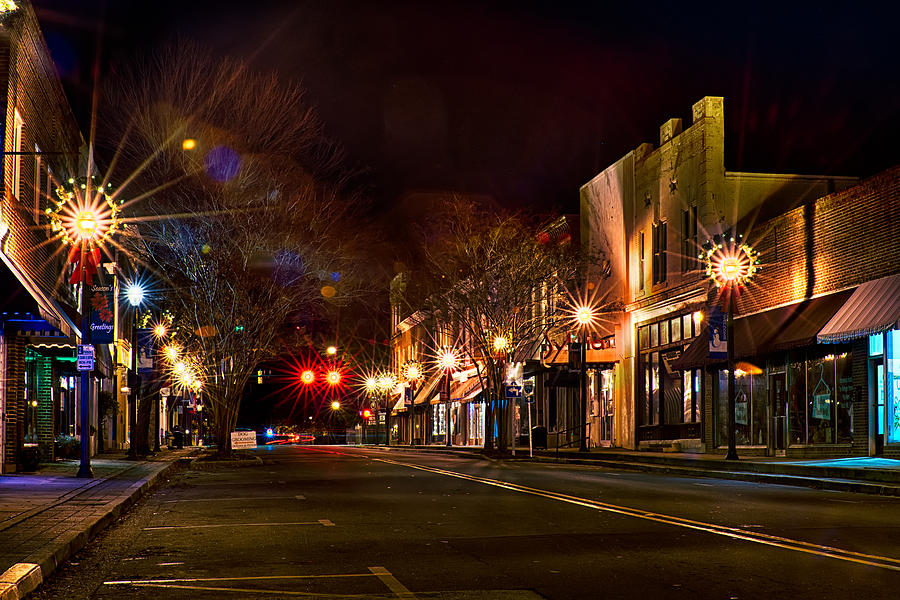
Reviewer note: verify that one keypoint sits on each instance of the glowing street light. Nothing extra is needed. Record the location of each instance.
(86, 224)
(333, 377)
(159, 331)
(448, 360)
(335, 405)
(134, 292)
(331, 350)
(730, 263)
(307, 377)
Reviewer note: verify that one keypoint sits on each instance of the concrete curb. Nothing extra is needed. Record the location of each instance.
(820, 483)
(820, 478)
(23, 578)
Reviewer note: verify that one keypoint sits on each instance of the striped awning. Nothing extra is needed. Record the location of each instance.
(874, 307)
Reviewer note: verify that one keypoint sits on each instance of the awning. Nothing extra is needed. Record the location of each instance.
(466, 390)
(423, 392)
(874, 307)
(778, 329)
(22, 301)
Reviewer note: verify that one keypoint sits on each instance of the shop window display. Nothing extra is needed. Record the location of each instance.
(797, 409)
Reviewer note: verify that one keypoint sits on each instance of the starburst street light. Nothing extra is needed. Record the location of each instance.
(307, 377)
(447, 360)
(84, 217)
(730, 263)
(333, 377)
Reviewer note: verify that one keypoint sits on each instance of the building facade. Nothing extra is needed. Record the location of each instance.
(42, 145)
(650, 212)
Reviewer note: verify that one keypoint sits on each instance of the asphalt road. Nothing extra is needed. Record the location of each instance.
(335, 522)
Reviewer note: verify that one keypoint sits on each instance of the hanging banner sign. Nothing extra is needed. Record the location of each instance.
(101, 314)
(145, 351)
(718, 342)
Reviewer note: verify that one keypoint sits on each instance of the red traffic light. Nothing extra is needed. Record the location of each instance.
(367, 413)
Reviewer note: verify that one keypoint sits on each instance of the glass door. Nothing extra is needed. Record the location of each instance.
(878, 368)
(778, 409)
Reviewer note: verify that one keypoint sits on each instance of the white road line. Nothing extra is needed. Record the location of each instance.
(248, 578)
(242, 499)
(874, 560)
(393, 584)
(324, 522)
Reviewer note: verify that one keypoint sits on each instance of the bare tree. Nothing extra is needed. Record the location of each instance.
(243, 210)
(497, 277)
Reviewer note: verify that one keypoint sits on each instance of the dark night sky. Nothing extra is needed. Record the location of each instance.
(528, 100)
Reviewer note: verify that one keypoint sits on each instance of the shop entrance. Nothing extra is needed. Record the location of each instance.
(605, 406)
(778, 411)
(877, 390)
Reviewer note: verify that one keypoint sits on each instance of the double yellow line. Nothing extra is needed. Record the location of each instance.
(884, 562)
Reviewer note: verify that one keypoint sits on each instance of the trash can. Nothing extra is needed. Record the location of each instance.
(539, 437)
(178, 438)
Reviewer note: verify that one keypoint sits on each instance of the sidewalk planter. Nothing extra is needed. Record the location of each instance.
(30, 458)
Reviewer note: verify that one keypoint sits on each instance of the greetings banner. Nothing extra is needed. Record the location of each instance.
(101, 314)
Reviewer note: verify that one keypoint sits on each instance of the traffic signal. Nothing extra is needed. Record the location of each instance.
(366, 413)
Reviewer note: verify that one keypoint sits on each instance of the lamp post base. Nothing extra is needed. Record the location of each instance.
(731, 455)
(85, 472)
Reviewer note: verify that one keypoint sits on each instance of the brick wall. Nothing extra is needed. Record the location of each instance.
(838, 241)
(15, 401)
(34, 90)
(44, 382)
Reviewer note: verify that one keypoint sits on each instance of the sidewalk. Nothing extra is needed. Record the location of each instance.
(47, 516)
(865, 475)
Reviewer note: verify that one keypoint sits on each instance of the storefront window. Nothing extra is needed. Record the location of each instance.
(722, 407)
(673, 396)
(844, 408)
(797, 402)
(676, 329)
(759, 408)
(821, 400)
(892, 400)
(643, 401)
(654, 388)
(686, 326)
(440, 422)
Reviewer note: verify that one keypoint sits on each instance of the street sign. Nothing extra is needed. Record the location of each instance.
(513, 391)
(84, 355)
(243, 440)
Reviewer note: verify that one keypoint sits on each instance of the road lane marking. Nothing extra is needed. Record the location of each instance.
(221, 579)
(324, 522)
(885, 562)
(393, 584)
(184, 584)
(243, 499)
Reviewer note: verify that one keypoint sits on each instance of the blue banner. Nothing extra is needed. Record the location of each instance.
(145, 351)
(718, 334)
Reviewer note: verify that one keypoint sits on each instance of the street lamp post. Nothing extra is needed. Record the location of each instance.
(730, 264)
(447, 359)
(86, 223)
(135, 294)
(584, 315)
(159, 332)
(412, 372)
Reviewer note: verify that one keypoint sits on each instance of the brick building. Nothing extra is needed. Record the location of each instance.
(817, 335)
(42, 144)
(650, 212)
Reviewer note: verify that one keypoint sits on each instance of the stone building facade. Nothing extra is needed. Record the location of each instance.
(650, 212)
